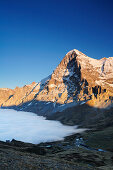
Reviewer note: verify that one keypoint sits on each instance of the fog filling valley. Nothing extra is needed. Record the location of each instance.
(28, 127)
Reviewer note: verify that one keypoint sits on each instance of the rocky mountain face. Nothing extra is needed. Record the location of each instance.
(78, 92)
(78, 79)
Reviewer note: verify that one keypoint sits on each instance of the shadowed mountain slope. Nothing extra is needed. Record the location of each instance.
(78, 79)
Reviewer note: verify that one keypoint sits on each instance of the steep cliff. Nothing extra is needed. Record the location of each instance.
(78, 79)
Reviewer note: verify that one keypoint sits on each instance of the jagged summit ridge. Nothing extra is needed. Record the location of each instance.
(99, 67)
(74, 80)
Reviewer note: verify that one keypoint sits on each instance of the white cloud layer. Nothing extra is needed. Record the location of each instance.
(28, 127)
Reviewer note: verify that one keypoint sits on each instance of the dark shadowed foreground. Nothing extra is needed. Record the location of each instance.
(60, 155)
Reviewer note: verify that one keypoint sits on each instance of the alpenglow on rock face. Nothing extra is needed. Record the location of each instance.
(77, 79)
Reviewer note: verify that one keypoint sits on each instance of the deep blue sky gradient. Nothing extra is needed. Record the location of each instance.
(35, 35)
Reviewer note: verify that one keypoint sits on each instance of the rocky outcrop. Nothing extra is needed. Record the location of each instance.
(78, 78)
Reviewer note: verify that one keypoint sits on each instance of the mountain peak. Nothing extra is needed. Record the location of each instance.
(72, 51)
(74, 79)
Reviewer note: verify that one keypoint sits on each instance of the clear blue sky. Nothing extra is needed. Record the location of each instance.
(36, 34)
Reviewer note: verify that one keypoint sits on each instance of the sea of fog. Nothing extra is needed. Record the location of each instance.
(28, 127)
